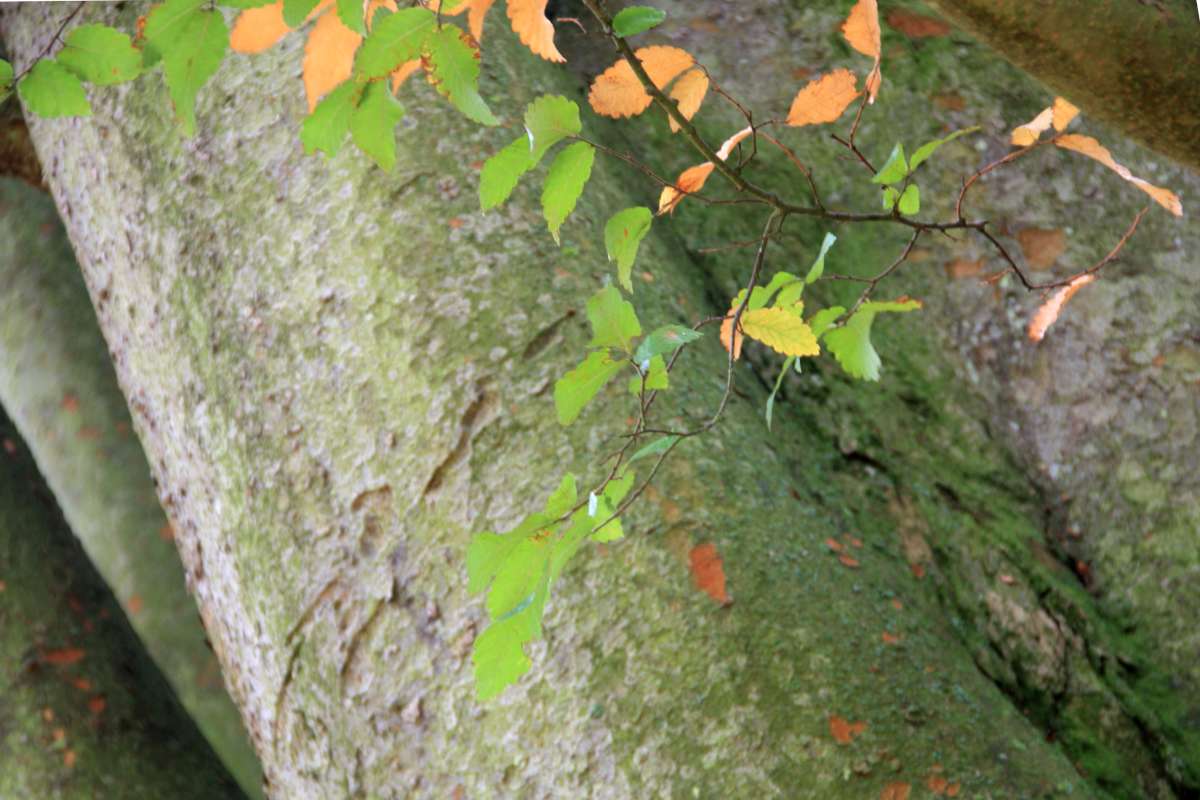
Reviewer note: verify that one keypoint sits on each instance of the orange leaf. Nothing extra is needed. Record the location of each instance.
(63, 657)
(476, 14)
(404, 72)
(617, 92)
(1027, 134)
(897, 604)
(258, 29)
(96, 704)
(937, 784)
(824, 99)
(952, 789)
(896, 791)
(1063, 112)
(328, 56)
(831, 543)
(861, 30)
(1049, 310)
(528, 18)
(890, 638)
(1093, 149)
(689, 92)
(708, 572)
(848, 561)
(844, 731)
(692, 180)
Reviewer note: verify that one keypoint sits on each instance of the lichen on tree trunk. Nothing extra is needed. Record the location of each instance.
(58, 385)
(307, 344)
(84, 713)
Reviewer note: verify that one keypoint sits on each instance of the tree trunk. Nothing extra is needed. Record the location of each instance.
(58, 385)
(1132, 64)
(83, 711)
(339, 374)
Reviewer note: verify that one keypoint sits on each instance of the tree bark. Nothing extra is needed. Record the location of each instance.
(1131, 64)
(58, 385)
(83, 711)
(339, 374)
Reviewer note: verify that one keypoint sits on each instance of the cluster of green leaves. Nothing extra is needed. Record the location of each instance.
(895, 175)
(519, 567)
(365, 107)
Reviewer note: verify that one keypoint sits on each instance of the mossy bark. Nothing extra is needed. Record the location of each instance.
(84, 713)
(339, 374)
(58, 385)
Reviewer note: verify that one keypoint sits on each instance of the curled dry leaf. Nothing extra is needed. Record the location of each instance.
(617, 92)
(529, 22)
(1093, 149)
(824, 99)
(1049, 310)
(861, 30)
(708, 572)
(689, 92)
(692, 179)
(1027, 134)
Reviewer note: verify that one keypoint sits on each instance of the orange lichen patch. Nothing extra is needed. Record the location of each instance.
(890, 638)
(918, 570)
(97, 704)
(63, 656)
(166, 533)
(843, 731)
(848, 561)
(134, 604)
(1042, 246)
(916, 26)
(854, 541)
(69, 759)
(897, 790)
(3, 586)
(824, 99)
(82, 684)
(1048, 312)
(896, 604)
(834, 545)
(708, 572)
(70, 403)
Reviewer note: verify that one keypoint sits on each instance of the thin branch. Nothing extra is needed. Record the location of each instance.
(49, 44)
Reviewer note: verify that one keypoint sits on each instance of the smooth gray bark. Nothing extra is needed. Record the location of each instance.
(84, 713)
(58, 385)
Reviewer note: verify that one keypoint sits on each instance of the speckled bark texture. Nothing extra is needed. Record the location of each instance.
(84, 713)
(1131, 63)
(58, 385)
(339, 374)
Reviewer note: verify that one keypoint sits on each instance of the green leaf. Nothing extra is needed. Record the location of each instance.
(499, 652)
(350, 12)
(637, 19)
(851, 343)
(761, 294)
(6, 75)
(563, 498)
(51, 90)
(890, 196)
(548, 120)
(926, 150)
(101, 55)
(192, 59)
(519, 575)
(818, 267)
(655, 448)
(895, 169)
(488, 551)
(618, 488)
(568, 544)
(502, 171)
(373, 124)
(910, 201)
(564, 184)
(614, 322)
(778, 382)
(454, 70)
(244, 3)
(397, 38)
(612, 529)
(657, 377)
(789, 297)
(623, 233)
(665, 340)
(296, 11)
(823, 319)
(326, 127)
(166, 25)
(574, 390)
